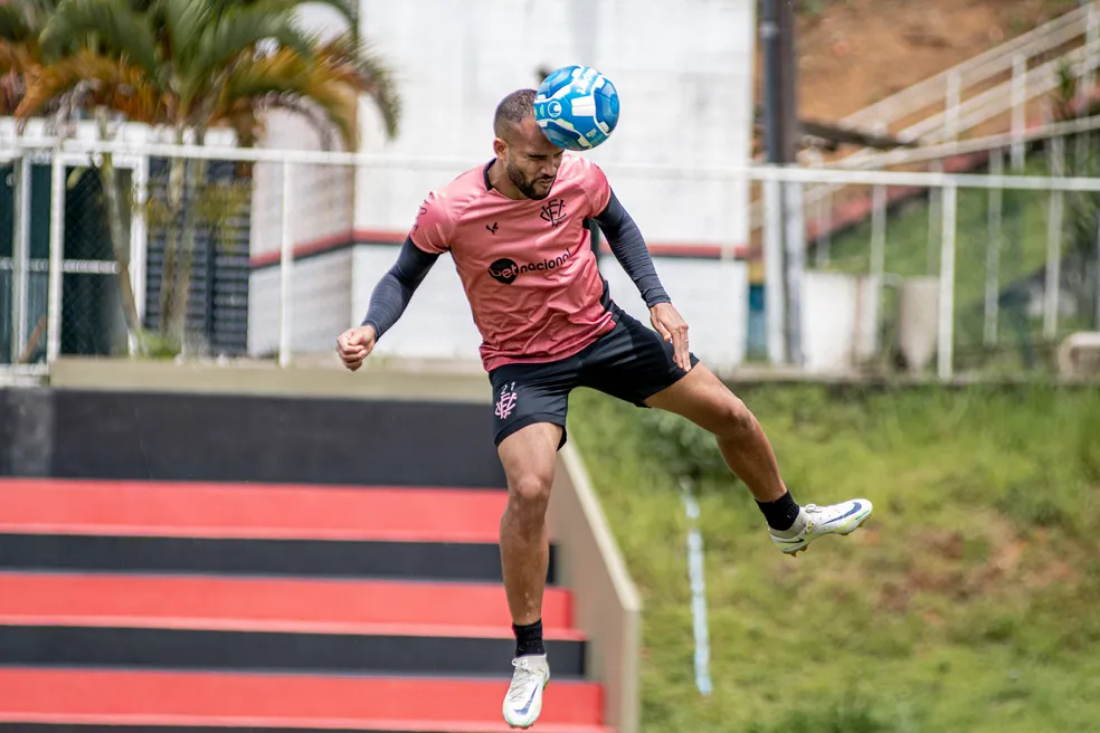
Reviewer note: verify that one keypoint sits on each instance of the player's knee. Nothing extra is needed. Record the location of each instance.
(530, 494)
(737, 420)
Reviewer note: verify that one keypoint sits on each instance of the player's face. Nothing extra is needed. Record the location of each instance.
(531, 161)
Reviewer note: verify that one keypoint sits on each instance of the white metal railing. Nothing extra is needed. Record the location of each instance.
(982, 67)
(948, 183)
(954, 114)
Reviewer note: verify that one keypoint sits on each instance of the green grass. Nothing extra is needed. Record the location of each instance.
(967, 603)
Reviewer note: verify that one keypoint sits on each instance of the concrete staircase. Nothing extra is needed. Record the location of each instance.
(184, 602)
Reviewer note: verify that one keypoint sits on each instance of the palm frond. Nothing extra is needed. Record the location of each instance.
(355, 63)
(11, 93)
(113, 23)
(15, 58)
(288, 81)
(239, 30)
(184, 21)
(14, 24)
(101, 81)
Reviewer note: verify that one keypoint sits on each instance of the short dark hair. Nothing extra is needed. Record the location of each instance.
(512, 110)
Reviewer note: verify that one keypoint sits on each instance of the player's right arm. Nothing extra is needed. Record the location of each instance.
(393, 292)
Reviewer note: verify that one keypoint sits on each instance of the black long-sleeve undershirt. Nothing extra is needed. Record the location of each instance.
(628, 246)
(394, 291)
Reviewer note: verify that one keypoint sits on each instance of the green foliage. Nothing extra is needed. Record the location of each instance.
(686, 450)
(966, 603)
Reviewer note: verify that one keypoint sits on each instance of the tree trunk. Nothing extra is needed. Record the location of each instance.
(176, 172)
(193, 183)
(119, 241)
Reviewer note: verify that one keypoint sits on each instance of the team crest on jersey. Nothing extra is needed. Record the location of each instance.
(554, 211)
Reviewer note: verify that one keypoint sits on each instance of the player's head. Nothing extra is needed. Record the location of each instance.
(529, 158)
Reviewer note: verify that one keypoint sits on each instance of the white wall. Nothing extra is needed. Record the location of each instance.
(683, 70)
(437, 323)
(684, 74)
(712, 297)
(322, 293)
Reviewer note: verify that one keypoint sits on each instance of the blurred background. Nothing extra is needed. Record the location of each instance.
(880, 219)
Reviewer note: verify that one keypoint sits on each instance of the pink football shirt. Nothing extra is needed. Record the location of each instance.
(527, 266)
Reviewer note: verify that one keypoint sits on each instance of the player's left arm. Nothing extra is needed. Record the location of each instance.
(629, 248)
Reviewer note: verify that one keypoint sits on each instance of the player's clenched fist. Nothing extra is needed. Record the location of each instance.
(354, 345)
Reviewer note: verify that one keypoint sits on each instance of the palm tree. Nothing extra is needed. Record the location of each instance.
(21, 24)
(191, 66)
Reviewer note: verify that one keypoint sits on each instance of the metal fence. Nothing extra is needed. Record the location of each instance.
(277, 252)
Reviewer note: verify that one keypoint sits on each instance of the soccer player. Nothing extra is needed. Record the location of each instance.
(516, 230)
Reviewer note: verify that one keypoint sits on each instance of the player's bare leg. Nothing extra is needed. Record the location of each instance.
(702, 398)
(528, 457)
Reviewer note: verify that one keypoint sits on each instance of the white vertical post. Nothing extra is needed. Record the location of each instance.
(286, 263)
(993, 250)
(1092, 47)
(1019, 110)
(825, 223)
(795, 250)
(951, 111)
(1054, 243)
(878, 246)
(1084, 83)
(945, 352)
(935, 217)
(774, 292)
(139, 235)
(21, 252)
(1096, 324)
(57, 255)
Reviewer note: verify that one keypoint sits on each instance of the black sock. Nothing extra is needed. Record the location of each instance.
(528, 639)
(780, 513)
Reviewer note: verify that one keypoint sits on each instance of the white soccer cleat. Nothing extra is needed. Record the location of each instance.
(523, 703)
(817, 521)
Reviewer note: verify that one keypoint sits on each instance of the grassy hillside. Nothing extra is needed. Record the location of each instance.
(967, 603)
(1023, 253)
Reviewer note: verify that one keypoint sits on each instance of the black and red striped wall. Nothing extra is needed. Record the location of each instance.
(187, 562)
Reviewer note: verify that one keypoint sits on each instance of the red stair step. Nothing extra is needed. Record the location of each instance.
(333, 606)
(52, 506)
(201, 699)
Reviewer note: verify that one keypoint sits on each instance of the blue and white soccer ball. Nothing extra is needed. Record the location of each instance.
(577, 108)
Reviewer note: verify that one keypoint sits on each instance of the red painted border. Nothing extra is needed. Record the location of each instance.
(254, 511)
(261, 604)
(282, 700)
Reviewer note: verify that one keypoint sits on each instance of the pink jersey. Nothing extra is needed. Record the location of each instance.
(527, 266)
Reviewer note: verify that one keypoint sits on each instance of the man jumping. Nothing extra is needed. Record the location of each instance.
(516, 228)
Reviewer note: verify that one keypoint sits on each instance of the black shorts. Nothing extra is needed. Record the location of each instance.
(631, 362)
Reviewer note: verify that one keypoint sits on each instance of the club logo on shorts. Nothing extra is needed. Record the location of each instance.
(507, 401)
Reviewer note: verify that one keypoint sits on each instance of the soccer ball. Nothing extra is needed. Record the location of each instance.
(577, 108)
